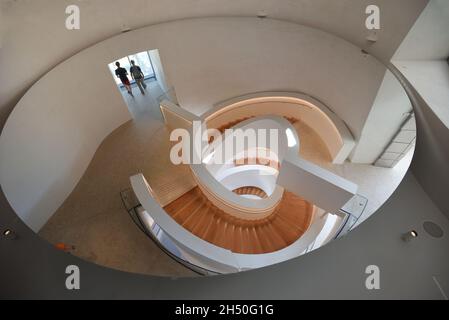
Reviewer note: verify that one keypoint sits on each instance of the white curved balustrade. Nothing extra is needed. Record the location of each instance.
(211, 257)
(320, 187)
(331, 129)
(224, 198)
(327, 191)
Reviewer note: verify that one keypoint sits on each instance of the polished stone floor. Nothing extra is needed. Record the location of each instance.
(94, 220)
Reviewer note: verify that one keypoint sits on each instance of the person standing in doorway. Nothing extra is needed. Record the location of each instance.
(138, 76)
(123, 75)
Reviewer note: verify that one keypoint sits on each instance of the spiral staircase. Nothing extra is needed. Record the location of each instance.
(250, 210)
(202, 218)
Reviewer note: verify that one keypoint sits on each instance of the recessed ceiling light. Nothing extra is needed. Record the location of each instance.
(9, 234)
(409, 235)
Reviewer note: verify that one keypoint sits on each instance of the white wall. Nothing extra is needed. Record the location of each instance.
(159, 70)
(323, 188)
(332, 130)
(388, 113)
(223, 58)
(431, 80)
(421, 61)
(53, 133)
(55, 130)
(421, 57)
(38, 26)
(429, 37)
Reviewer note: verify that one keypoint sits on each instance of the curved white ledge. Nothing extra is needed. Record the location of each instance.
(232, 203)
(211, 256)
(331, 129)
(262, 177)
(307, 180)
(177, 117)
(227, 200)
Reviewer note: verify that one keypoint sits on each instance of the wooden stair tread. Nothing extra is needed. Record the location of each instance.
(251, 191)
(267, 246)
(184, 213)
(199, 216)
(195, 216)
(181, 201)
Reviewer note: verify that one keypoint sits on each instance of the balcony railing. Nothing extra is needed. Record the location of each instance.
(350, 213)
(156, 234)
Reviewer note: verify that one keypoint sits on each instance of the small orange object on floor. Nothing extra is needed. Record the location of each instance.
(64, 247)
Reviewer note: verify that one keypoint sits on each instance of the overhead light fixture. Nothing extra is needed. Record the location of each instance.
(409, 235)
(9, 234)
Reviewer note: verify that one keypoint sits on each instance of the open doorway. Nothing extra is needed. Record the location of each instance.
(141, 81)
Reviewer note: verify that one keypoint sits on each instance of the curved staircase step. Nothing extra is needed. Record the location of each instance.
(198, 215)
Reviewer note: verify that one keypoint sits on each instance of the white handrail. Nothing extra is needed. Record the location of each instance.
(215, 257)
(232, 203)
(211, 256)
(332, 130)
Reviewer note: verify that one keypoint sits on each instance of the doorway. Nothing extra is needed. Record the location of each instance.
(141, 82)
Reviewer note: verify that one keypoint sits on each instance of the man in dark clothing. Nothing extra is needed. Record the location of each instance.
(123, 75)
(138, 76)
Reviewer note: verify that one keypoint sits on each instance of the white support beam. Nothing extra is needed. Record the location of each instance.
(315, 184)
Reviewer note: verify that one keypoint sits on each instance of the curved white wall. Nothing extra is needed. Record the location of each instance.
(389, 111)
(56, 128)
(50, 42)
(331, 129)
(250, 176)
(52, 135)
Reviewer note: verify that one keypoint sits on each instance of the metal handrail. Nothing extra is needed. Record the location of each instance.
(152, 231)
(350, 218)
(137, 220)
(195, 268)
